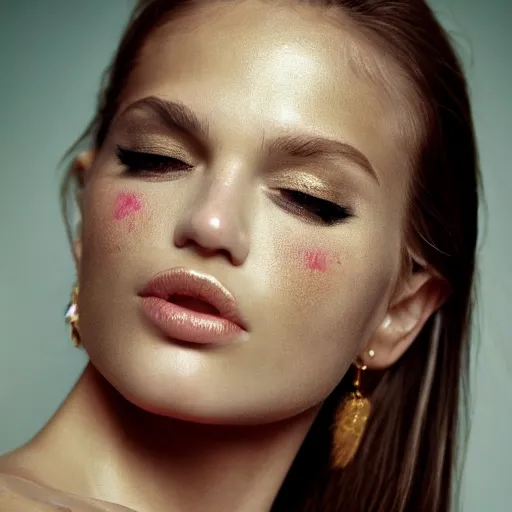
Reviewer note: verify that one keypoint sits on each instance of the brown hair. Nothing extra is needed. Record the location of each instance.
(406, 462)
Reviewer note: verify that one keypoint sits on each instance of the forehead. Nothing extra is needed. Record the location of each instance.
(254, 67)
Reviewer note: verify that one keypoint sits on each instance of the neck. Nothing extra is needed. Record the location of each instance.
(100, 445)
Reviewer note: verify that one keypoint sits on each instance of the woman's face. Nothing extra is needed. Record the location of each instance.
(283, 103)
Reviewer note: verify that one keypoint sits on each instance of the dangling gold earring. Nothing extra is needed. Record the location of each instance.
(350, 422)
(72, 317)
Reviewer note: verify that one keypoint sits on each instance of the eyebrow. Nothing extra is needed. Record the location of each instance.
(175, 115)
(178, 117)
(303, 146)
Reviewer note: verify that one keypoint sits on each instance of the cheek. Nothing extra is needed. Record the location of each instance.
(113, 219)
(338, 288)
(127, 209)
(314, 259)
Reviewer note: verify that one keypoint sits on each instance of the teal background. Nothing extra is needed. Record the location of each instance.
(52, 54)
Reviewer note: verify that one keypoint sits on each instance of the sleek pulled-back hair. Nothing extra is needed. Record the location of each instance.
(406, 462)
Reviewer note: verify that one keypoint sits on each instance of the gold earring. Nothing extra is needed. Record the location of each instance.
(350, 422)
(72, 317)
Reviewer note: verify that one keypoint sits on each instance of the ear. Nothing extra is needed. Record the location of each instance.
(80, 169)
(418, 297)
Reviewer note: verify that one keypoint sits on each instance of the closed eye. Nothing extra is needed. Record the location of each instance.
(138, 162)
(313, 208)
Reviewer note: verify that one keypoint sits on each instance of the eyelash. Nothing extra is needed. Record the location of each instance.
(306, 206)
(313, 208)
(138, 162)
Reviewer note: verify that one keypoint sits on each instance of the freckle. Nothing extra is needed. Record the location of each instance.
(126, 204)
(316, 259)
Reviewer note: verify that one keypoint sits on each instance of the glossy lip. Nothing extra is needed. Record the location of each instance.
(186, 324)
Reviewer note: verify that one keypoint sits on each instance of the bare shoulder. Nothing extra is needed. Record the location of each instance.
(18, 494)
(25, 490)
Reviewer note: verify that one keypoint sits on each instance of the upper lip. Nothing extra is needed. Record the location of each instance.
(194, 284)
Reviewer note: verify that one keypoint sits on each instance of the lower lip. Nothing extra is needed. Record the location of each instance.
(187, 325)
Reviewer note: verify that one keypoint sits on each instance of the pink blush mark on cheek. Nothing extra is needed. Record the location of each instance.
(316, 260)
(126, 204)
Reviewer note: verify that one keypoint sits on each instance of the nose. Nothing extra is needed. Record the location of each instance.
(215, 223)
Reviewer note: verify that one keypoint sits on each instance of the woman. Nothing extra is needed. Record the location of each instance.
(275, 267)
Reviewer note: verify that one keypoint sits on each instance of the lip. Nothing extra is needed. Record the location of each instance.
(180, 322)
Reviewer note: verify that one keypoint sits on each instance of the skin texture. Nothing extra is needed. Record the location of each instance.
(230, 420)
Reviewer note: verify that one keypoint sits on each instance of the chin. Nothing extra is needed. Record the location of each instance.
(203, 396)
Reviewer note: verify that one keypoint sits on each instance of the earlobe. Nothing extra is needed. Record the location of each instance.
(419, 298)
